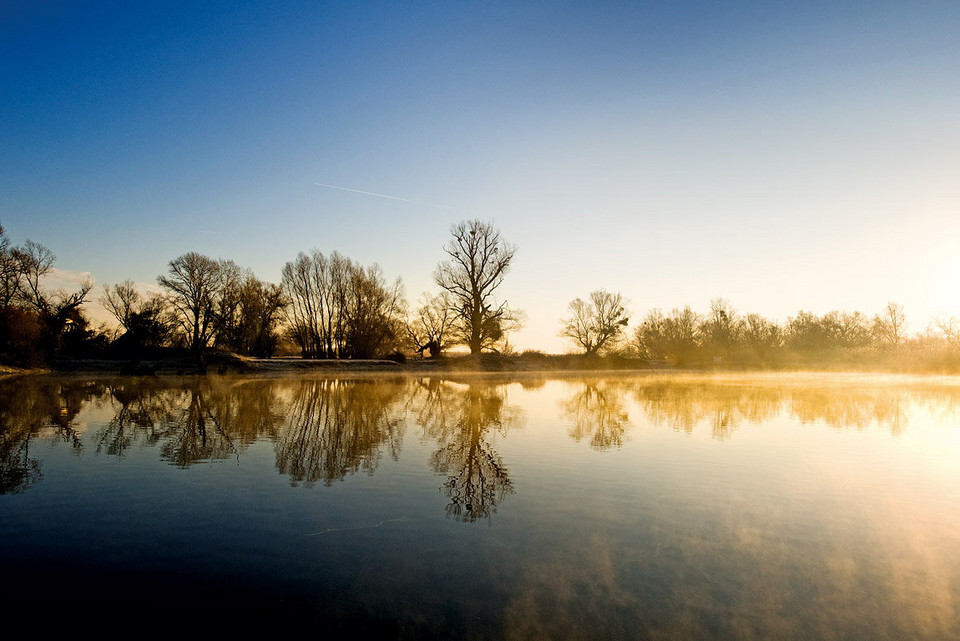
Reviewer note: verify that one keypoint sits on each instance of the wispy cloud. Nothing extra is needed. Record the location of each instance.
(65, 278)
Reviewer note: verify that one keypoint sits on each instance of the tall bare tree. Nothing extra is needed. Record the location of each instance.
(479, 260)
(596, 324)
(721, 329)
(890, 327)
(204, 293)
(340, 309)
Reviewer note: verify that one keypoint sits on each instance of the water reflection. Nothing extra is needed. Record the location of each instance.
(620, 513)
(686, 405)
(602, 410)
(461, 418)
(598, 412)
(26, 410)
(332, 428)
(327, 429)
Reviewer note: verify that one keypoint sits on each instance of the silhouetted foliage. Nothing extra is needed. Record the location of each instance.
(36, 323)
(204, 292)
(145, 321)
(252, 325)
(340, 309)
(429, 327)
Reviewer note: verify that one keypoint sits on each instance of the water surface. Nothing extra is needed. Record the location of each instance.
(650, 506)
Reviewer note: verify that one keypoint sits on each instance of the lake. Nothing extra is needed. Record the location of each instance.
(651, 506)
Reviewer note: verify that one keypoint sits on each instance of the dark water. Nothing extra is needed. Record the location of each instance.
(764, 507)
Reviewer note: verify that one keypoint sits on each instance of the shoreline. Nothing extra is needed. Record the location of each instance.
(550, 365)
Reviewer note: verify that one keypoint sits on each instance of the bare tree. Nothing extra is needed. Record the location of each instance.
(122, 300)
(890, 327)
(10, 272)
(949, 328)
(373, 311)
(597, 324)
(721, 330)
(675, 336)
(340, 309)
(35, 262)
(57, 310)
(204, 293)
(250, 326)
(479, 260)
(762, 335)
(35, 321)
(429, 326)
(144, 320)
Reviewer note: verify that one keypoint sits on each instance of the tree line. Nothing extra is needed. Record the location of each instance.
(330, 306)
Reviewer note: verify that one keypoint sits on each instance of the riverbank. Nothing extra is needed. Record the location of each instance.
(226, 363)
(180, 364)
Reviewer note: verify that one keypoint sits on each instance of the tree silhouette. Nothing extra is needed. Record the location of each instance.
(597, 324)
(479, 260)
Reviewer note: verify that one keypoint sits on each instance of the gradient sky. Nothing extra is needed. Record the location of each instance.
(783, 156)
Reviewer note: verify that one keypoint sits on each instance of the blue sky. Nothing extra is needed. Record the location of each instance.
(780, 155)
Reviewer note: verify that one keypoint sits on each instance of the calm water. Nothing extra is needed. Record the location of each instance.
(660, 507)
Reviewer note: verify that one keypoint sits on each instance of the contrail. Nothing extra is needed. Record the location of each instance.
(373, 193)
(368, 193)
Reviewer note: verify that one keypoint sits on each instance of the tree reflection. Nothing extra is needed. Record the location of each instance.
(683, 405)
(461, 417)
(324, 429)
(35, 409)
(140, 408)
(337, 427)
(197, 434)
(725, 405)
(856, 408)
(597, 411)
(191, 420)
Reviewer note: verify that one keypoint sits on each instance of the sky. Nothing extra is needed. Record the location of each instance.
(780, 155)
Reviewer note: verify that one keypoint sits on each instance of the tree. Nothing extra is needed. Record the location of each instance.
(429, 326)
(204, 292)
(34, 321)
(762, 335)
(125, 302)
(251, 327)
(721, 329)
(479, 260)
(145, 321)
(890, 326)
(59, 312)
(340, 309)
(597, 324)
(373, 311)
(675, 336)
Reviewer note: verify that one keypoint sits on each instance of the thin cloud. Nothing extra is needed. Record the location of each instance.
(60, 278)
